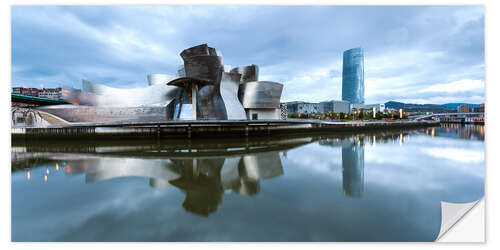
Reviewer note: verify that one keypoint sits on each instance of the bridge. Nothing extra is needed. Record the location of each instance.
(38, 101)
(468, 114)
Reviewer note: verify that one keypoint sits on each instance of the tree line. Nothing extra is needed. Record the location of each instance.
(360, 114)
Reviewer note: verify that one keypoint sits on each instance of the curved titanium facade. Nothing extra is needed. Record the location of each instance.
(229, 92)
(210, 104)
(77, 113)
(203, 67)
(248, 73)
(155, 79)
(353, 76)
(202, 62)
(200, 50)
(114, 97)
(218, 97)
(100, 103)
(261, 94)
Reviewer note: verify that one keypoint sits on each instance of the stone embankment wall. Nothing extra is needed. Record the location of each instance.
(197, 129)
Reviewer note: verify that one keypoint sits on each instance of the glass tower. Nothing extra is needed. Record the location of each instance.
(353, 76)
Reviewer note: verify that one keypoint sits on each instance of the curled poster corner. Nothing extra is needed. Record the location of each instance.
(451, 213)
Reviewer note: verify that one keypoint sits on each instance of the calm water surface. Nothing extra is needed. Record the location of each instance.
(374, 186)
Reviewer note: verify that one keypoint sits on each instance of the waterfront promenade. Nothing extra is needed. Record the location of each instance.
(205, 128)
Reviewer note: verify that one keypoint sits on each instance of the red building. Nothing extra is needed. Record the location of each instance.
(464, 108)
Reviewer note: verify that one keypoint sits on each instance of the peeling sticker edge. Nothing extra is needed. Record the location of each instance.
(451, 213)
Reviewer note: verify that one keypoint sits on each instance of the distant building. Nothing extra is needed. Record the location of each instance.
(26, 91)
(480, 108)
(308, 108)
(322, 107)
(353, 76)
(51, 93)
(379, 107)
(464, 108)
(334, 106)
(17, 90)
(293, 107)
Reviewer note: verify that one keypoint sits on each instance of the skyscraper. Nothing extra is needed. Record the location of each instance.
(353, 76)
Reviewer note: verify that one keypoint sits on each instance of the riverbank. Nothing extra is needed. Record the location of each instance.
(204, 129)
(465, 122)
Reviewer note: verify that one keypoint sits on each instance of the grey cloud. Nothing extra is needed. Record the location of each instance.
(286, 41)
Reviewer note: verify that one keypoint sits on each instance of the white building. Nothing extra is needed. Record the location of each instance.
(50, 93)
(379, 107)
(322, 107)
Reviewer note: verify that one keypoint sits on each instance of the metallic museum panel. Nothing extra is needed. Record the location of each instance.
(160, 94)
(203, 67)
(353, 76)
(77, 113)
(248, 73)
(261, 94)
(199, 50)
(155, 79)
(210, 105)
(229, 92)
(202, 62)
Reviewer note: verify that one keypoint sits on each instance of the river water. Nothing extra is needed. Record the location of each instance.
(371, 186)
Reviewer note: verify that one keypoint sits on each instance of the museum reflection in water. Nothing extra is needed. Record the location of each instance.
(205, 178)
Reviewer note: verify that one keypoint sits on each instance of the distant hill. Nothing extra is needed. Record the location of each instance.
(394, 105)
(410, 107)
(456, 104)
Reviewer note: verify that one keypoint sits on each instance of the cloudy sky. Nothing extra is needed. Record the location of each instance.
(425, 54)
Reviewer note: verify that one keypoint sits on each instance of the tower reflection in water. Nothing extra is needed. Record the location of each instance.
(353, 157)
(353, 167)
(353, 162)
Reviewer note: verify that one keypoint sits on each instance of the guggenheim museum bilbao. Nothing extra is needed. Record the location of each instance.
(202, 89)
